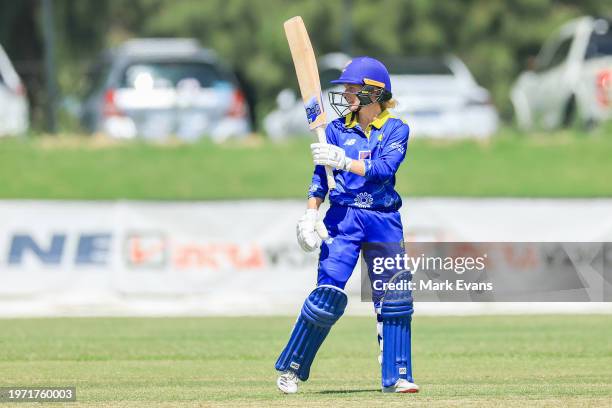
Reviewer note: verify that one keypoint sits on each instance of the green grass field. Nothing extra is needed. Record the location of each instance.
(170, 362)
(561, 164)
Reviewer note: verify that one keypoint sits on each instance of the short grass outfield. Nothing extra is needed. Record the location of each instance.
(511, 164)
(476, 361)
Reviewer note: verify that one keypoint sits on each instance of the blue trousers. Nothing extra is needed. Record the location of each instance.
(378, 233)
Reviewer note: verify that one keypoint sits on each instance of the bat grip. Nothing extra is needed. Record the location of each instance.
(331, 183)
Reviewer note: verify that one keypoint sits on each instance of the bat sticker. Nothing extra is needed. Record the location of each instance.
(313, 109)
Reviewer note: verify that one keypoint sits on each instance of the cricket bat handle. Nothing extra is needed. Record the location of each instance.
(331, 183)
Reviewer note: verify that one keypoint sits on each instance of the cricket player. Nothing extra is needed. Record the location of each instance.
(365, 147)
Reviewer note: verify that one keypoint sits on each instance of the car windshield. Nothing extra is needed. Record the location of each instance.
(169, 74)
(417, 66)
(600, 43)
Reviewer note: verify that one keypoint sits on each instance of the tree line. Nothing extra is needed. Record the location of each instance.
(494, 38)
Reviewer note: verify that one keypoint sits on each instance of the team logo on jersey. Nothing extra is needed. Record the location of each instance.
(398, 146)
(349, 142)
(365, 154)
(364, 200)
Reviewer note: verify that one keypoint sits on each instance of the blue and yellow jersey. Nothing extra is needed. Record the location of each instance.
(382, 146)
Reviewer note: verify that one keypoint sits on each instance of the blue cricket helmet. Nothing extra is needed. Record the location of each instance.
(365, 71)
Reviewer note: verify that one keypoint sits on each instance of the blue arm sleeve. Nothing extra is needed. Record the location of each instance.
(384, 167)
(318, 185)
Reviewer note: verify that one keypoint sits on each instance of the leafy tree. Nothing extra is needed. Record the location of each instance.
(494, 38)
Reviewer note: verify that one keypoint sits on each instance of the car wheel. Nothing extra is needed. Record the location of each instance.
(569, 114)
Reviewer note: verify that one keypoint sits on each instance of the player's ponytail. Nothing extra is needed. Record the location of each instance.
(390, 104)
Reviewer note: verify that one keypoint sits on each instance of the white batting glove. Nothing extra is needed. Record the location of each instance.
(311, 231)
(330, 155)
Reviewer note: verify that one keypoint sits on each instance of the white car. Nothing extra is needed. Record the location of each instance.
(14, 109)
(570, 79)
(438, 97)
(152, 88)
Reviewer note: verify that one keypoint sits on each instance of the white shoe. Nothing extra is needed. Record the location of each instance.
(287, 382)
(403, 386)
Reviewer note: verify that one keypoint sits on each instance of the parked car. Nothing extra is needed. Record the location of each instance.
(154, 88)
(14, 108)
(570, 79)
(438, 97)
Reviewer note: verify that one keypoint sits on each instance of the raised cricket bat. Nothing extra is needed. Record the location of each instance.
(308, 77)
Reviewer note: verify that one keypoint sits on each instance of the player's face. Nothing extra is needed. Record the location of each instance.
(350, 91)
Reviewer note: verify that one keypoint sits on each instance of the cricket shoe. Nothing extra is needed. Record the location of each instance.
(287, 382)
(403, 386)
